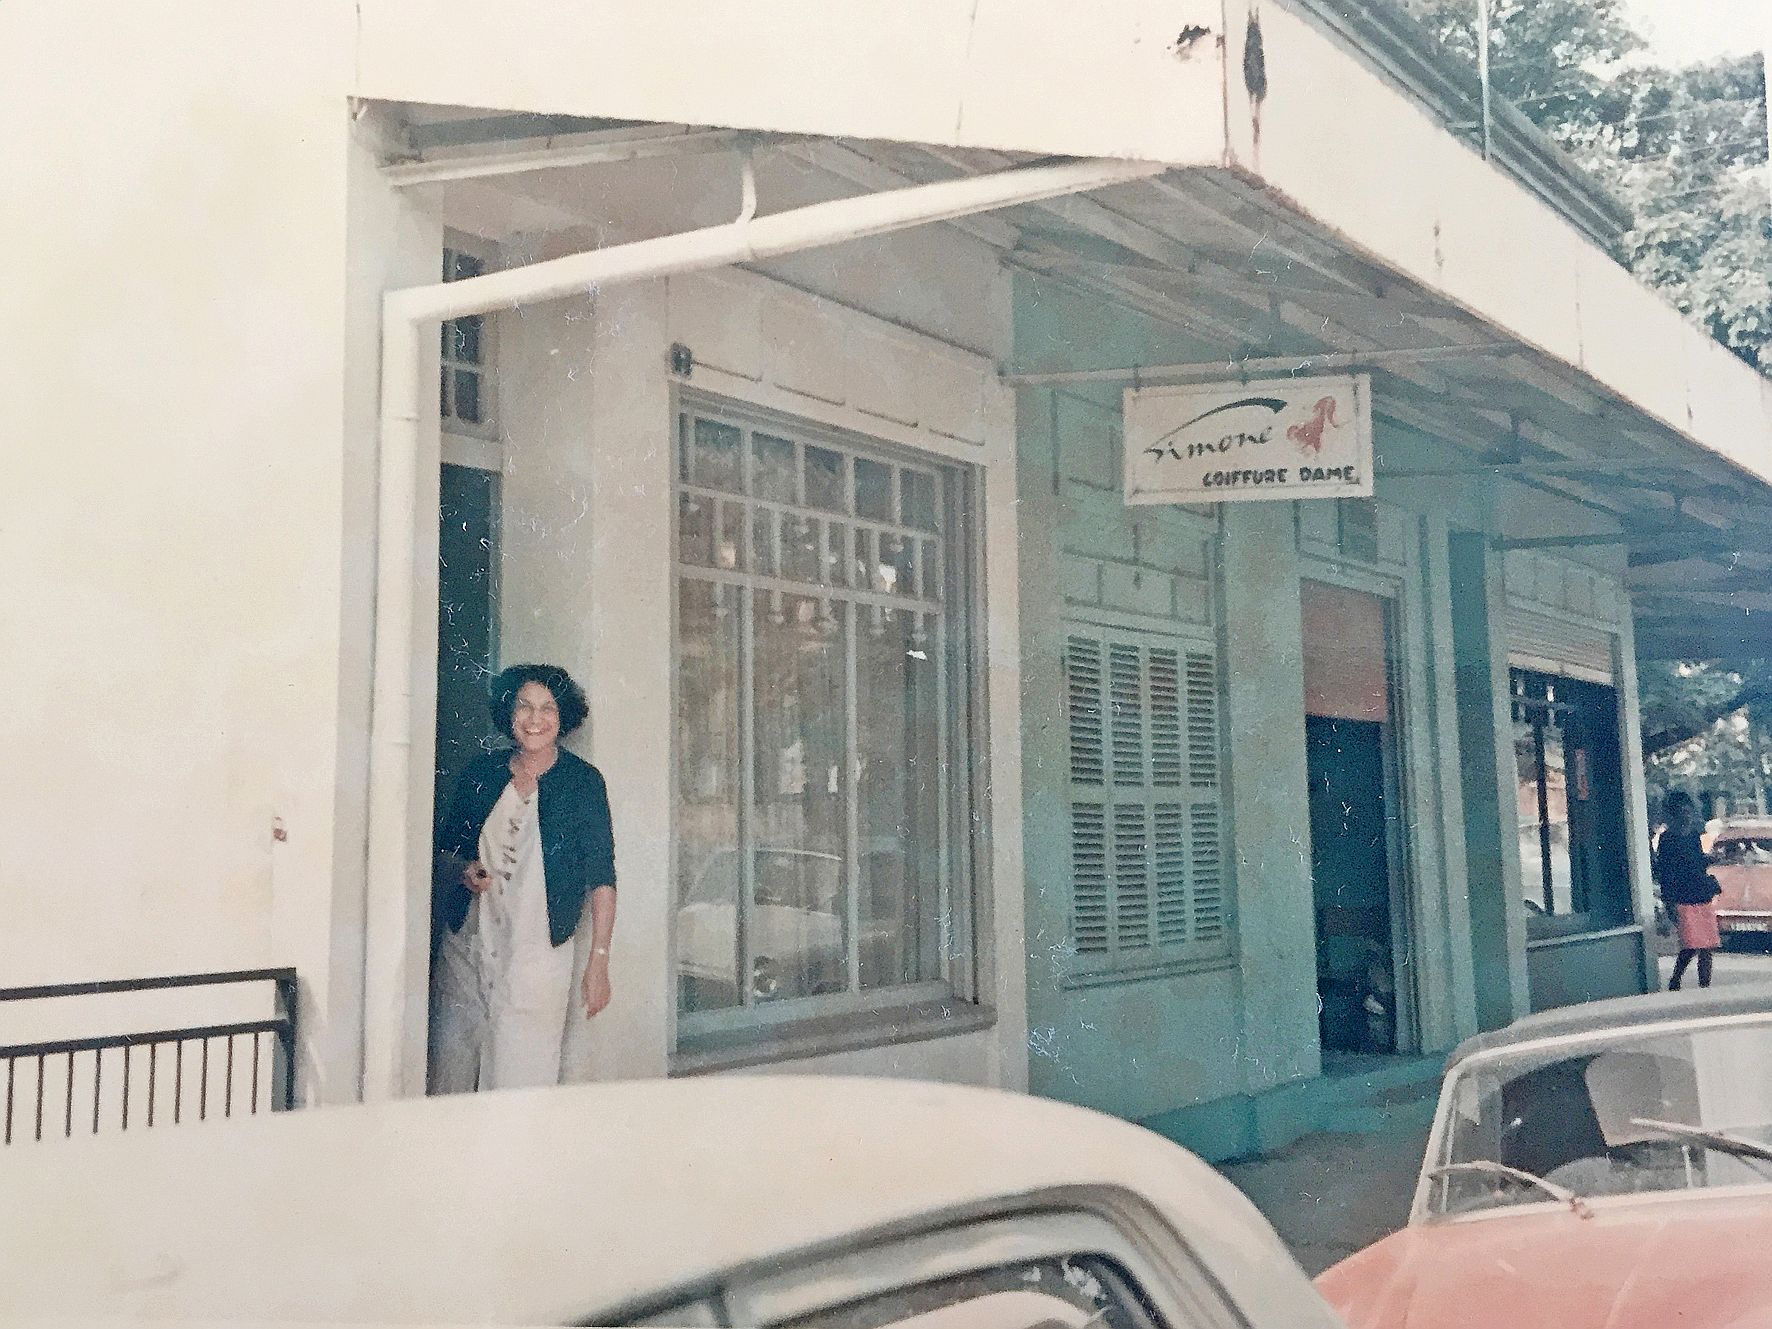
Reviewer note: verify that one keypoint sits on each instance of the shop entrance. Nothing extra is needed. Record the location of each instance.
(1350, 874)
(467, 622)
(1351, 762)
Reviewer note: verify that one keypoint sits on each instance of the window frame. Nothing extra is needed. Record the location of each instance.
(1166, 1278)
(457, 245)
(832, 1020)
(1598, 899)
(1198, 658)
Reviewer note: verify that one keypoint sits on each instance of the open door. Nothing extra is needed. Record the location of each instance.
(1352, 764)
(467, 622)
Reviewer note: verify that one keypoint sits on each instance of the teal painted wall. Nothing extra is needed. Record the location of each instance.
(1223, 1055)
(1217, 1030)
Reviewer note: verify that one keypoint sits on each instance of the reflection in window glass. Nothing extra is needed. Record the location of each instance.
(802, 554)
(1556, 818)
(815, 726)
(708, 917)
(825, 484)
(715, 459)
(800, 910)
(902, 913)
(919, 499)
(873, 489)
(776, 467)
(1569, 791)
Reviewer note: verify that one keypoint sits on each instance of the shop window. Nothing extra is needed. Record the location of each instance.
(464, 386)
(823, 804)
(1146, 804)
(1570, 798)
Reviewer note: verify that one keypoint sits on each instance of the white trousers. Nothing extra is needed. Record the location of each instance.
(501, 1029)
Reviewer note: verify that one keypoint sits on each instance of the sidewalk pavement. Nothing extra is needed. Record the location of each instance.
(1334, 1193)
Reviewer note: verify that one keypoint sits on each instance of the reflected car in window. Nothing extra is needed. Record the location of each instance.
(1607, 1164)
(799, 923)
(816, 1203)
(1741, 857)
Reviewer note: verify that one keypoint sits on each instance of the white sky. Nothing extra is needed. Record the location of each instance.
(1681, 31)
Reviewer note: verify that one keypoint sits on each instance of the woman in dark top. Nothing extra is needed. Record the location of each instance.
(526, 855)
(1681, 868)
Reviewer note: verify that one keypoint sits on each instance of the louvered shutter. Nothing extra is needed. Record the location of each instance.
(1147, 855)
(1205, 803)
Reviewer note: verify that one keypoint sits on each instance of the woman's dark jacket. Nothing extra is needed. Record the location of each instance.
(577, 841)
(1680, 867)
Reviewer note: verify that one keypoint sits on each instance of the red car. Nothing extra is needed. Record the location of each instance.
(1741, 858)
(1605, 1166)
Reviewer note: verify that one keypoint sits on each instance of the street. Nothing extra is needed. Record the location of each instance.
(1735, 966)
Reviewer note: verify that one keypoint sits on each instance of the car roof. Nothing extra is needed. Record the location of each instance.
(566, 1204)
(1724, 1000)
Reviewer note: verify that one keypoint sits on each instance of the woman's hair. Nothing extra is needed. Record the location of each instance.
(568, 696)
(1680, 812)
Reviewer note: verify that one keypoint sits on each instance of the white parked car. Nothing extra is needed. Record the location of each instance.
(766, 1201)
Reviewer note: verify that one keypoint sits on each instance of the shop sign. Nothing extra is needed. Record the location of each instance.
(1271, 438)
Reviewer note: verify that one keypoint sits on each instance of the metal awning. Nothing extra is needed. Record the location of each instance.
(1316, 218)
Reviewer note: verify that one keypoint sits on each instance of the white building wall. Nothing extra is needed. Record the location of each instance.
(176, 291)
(588, 577)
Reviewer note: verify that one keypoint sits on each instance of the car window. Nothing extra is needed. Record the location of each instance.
(1072, 1290)
(1651, 1112)
(1071, 1267)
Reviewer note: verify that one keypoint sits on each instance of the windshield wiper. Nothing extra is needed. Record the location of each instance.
(1490, 1168)
(1722, 1141)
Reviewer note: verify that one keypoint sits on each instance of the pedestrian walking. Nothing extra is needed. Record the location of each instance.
(524, 893)
(1687, 887)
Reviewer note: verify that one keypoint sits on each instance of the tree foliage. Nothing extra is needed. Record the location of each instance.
(1684, 149)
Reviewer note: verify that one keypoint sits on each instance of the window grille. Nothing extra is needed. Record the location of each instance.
(823, 696)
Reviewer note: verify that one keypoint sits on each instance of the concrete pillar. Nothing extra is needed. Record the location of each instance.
(1044, 739)
(1637, 812)
(1270, 816)
(628, 643)
(1443, 754)
(1485, 744)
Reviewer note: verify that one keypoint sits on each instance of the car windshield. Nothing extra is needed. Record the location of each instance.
(1685, 1109)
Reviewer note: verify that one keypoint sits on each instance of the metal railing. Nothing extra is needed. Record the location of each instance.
(156, 1077)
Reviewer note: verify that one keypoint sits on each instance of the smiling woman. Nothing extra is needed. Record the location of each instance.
(526, 852)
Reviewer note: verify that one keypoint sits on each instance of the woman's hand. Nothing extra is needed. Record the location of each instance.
(595, 988)
(475, 877)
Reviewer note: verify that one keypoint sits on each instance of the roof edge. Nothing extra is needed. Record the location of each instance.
(1386, 37)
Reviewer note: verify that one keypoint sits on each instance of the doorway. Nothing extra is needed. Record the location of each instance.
(467, 623)
(1351, 763)
(1350, 876)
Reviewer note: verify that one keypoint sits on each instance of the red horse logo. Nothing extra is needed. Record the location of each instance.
(1309, 435)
